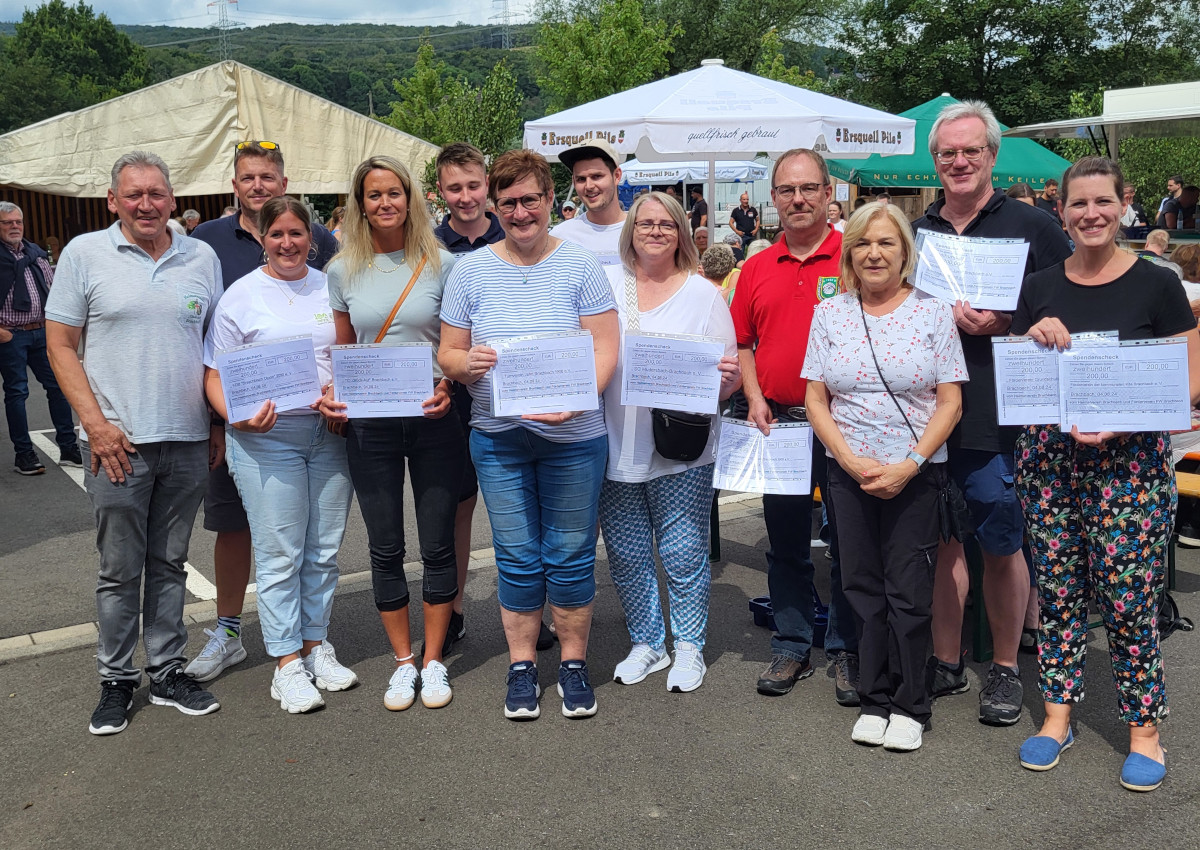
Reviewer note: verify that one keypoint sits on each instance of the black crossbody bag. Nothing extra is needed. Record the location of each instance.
(677, 436)
(954, 518)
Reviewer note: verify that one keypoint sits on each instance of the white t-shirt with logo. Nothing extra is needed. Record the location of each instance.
(600, 239)
(256, 308)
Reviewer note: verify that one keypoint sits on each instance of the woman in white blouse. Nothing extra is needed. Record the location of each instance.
(884, 366)
(290, 471)
(646, 497)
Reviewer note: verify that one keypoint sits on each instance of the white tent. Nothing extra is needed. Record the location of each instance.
(193, 122)
(1166, 111)
(638, 173)
(717, 113)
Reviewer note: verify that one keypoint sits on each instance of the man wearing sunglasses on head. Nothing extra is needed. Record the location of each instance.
(257, 178)
(964, 142)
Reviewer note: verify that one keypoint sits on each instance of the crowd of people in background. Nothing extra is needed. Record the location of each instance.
(820, 326)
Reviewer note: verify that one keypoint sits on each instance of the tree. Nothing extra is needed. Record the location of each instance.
(587, 53)
(64, 58)
(772, 65)
(421, 96)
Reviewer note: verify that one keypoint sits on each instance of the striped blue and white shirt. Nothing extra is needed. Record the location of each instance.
(492, 299)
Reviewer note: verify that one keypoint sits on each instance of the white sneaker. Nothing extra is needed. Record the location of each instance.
(642, 660)
(221, 651)
(869, 729)
(292, 686)
(903, 734)
(329, 674)
(687, 673)
(435, 685)
(402, 688)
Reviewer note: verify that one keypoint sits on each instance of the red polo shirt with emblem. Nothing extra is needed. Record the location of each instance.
(773, 309)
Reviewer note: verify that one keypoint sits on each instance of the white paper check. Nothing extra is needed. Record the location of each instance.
(779, 463)
(544, 373)
(383, 380)
(673, 372)
(986, 273)
(284, 371)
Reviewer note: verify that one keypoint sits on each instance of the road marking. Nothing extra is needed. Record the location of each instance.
(197, 584)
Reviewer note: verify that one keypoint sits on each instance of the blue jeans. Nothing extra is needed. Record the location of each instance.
(790, 573)
(28, 349)
(296, 489)
(143, 527)
(542, 500)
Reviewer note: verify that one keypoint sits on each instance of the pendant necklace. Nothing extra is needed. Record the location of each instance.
(285, 290)
(525, 274)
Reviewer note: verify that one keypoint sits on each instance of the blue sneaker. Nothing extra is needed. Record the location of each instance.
(523, 692)
(1141, 773)
(579, 700)
(1041, 752)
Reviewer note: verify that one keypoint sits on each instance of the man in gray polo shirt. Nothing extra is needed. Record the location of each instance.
(143, 295)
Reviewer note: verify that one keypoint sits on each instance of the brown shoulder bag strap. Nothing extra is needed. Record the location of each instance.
(412, 281)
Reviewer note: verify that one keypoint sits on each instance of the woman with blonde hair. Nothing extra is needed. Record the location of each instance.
(385, 286)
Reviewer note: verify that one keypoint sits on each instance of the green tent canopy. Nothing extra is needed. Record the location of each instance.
(1020, 160)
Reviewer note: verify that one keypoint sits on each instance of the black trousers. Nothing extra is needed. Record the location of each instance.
(889, 551)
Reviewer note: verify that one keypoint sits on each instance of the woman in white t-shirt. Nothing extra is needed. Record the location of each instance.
(290, 471)
(646, 497)
(884, 365)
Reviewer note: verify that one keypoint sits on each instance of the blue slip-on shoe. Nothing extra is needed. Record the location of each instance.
(1041, 752)
(523, 692)
(1141, 773)
(579, 700)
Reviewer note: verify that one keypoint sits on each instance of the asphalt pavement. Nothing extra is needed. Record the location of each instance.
(720, 767)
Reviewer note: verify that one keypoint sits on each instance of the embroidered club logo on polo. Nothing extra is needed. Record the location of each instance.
(827, 287)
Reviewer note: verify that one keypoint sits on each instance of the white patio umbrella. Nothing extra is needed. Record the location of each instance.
(716, 113)
(638, 173)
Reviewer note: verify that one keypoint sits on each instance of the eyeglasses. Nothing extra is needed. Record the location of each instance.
(969, 154)
(267, 146)
(809, 191)
(667, 227)
(508, 206)
(14, 222)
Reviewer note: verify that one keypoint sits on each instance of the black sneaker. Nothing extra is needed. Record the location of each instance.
(782, 674)
(180, 690)
(71, 456)
(27, 463)
(111, 715)
(546, 638)
(456, 631)
(1000, 699)
(942, 681)
(844, 670)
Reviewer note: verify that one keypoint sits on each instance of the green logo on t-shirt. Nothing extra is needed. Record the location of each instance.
(827, 287)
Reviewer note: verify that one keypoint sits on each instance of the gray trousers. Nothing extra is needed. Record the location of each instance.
(143, 527)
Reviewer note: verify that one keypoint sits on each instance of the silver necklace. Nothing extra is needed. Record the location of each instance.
(538, 259)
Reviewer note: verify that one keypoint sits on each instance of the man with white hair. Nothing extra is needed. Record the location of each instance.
(25, 280)
(964, 142)
(139, 297)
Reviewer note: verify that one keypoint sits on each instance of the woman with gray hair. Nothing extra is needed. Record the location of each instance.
(649, 498)
(718, 265)
(884, 366)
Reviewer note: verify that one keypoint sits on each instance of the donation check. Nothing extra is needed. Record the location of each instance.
(383, 380)
(283, 370)
(1141, 385)
(544, 373)
(986, 273)
(779, 463)
(1027, 376)
(672, 372)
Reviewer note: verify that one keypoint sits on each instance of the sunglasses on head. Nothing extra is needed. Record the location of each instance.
(267, 146)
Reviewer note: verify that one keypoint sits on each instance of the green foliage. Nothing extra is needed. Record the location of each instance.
(421, 97)
(772, 65)
(63, 58)
(589, 54)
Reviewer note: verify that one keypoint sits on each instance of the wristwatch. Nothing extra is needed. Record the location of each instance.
(919, 460)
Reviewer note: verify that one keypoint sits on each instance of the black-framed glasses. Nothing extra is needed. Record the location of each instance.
(508, 206)
(648, 227)
(971, 154)
(267, 146)
(809, 191)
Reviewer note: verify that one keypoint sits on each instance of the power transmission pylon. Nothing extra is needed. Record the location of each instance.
(504, 15)
(223, 26)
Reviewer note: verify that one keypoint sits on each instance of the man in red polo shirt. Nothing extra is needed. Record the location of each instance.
(772, 310)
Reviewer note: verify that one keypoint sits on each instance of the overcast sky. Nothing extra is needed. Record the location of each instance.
(195, 13)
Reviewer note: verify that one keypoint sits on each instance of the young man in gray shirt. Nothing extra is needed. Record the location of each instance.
(144, 296)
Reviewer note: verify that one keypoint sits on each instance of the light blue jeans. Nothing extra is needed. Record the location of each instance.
(296, 488)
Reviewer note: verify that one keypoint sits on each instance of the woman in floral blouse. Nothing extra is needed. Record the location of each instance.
(884, 365)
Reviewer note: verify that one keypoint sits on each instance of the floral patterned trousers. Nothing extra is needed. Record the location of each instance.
(1099, 523)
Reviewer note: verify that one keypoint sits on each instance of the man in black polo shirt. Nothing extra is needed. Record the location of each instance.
(257, 177)
(964, 142)
(1048, 199)
(463, 183)
(744, 220)
(699, 209)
